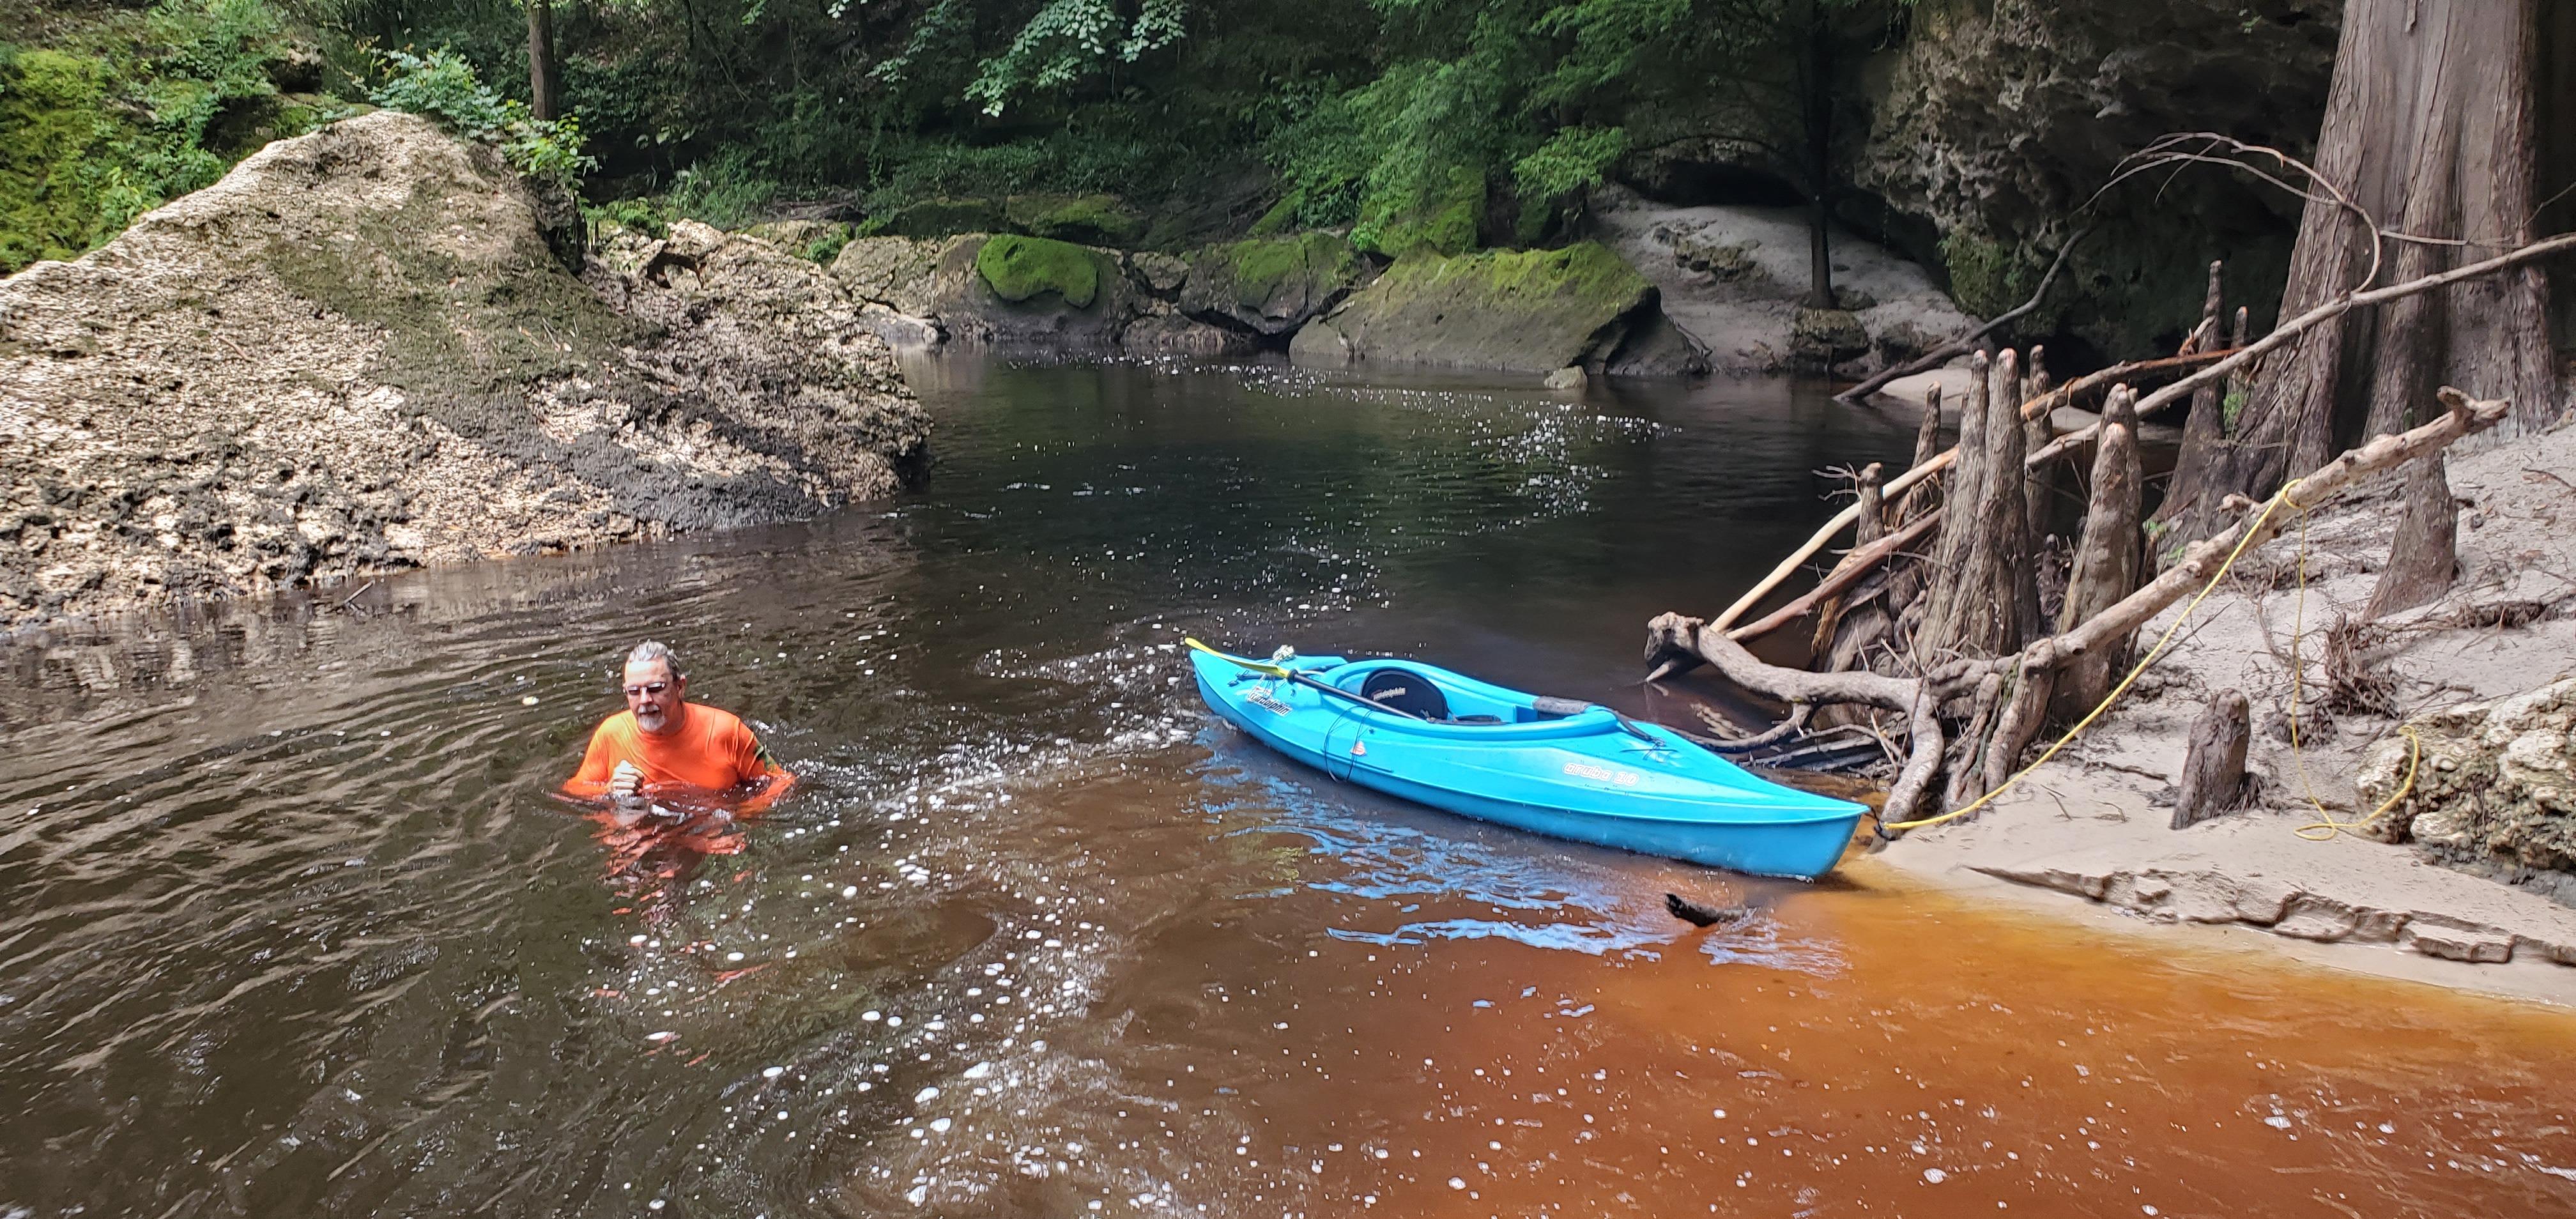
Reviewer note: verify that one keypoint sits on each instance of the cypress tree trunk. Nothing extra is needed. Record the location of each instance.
(2432, 127)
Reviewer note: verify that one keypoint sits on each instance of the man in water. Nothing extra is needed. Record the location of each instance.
(662, 750)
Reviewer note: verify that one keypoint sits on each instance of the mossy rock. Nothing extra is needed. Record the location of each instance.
(1511, 310)
(1822, 338)
(1011, 290)
(1985, 278)
(1270, 285)
(1084, 219)
(946, 218)
(55, 130)
(1017, 268)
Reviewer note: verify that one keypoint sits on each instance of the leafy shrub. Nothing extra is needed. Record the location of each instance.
(130, 111)
(443, 88)
(727, 191)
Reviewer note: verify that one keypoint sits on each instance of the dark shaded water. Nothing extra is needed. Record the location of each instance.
(290, 923)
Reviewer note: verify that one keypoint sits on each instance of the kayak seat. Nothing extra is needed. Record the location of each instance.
(1411, 693)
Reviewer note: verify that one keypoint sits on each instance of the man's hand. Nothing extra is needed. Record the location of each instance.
(626, 786)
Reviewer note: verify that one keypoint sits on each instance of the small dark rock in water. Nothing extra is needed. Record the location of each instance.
(1697, 915)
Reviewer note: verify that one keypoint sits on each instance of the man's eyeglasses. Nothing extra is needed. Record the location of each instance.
(650, 687)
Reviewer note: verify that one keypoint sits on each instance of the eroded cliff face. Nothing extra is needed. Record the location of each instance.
(358, 353)
(1995, 121)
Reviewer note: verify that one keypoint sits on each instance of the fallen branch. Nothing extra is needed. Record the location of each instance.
(1948, 457)
(2310, 320)
(1959, 346)
(1674, 641)
(2460, 417)
(1849, 572)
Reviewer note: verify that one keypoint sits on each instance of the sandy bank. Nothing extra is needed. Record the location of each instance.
(2093, 823)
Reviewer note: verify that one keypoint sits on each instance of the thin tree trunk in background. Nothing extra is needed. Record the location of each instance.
(541, 58)
(1818, 104)
(2430, 126)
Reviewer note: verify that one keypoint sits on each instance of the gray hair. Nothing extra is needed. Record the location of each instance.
(652, 650)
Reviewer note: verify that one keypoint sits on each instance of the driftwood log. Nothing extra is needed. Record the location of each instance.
(1674, 641)
(2213, 764)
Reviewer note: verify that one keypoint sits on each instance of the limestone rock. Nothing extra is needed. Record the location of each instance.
(357, 353)
(1514, 311)
(1174, 334)
(1162, 274)
(896, 272)
(1821, 338)
(1273, 285)
(2496, 788)
(1993, 123)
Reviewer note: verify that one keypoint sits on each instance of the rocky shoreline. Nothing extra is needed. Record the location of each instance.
(367, 349)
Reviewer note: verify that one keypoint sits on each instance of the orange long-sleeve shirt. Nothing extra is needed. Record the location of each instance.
(710, 753)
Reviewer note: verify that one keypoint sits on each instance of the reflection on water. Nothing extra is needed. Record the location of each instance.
(291, 923)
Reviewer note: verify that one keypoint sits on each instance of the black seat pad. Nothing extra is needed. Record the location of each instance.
(1405, 691)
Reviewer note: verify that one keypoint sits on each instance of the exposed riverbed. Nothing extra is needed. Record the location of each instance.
(291, 924)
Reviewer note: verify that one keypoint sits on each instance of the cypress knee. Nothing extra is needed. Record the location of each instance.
(2213, 764)
(2107, 560)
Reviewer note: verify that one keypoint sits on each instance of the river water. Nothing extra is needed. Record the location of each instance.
(290, 923)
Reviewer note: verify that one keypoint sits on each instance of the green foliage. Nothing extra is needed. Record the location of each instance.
(128, 112)
(1573, 160)
(822, 250)
(443, 87)
(1089, 219)
(1018, 268)
(727, 191)
(2230, 407)
(641, 214)
(1068, 40)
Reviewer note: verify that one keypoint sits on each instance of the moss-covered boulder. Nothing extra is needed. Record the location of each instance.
(1511, 310)
(1822, 338)
(1085, 219)
(1020, 268)
(1015, 290)
(947, 218)
(1271, 286)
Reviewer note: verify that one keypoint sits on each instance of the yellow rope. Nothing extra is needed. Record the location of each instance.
(2251, 532)
(2298, 756)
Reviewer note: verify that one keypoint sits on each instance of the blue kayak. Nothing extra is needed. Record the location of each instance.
(1550, 766)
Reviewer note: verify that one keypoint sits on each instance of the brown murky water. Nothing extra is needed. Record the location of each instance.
(290, 924)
